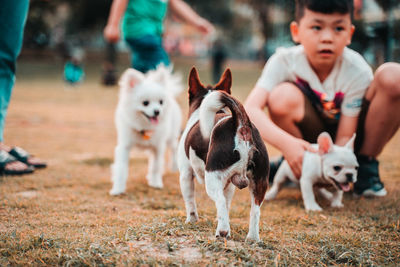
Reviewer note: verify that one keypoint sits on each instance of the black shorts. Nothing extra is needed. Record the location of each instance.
(315, 121)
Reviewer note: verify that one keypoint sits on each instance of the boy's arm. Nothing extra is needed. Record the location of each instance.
(187, 14)
(111, 31)
(346, 129)
(291, 147)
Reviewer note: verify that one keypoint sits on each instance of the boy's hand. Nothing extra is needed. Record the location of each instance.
(112, 33)
(204, 26)
(293, 152)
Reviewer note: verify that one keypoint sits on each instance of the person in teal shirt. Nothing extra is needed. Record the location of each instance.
(13, 14)
(142, 28)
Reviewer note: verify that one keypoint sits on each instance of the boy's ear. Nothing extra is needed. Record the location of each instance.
(294, 30)
(352, 29)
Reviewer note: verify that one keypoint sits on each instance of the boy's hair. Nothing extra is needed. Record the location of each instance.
(324, 6)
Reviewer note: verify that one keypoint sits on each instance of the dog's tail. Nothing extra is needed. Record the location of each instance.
(216, 101)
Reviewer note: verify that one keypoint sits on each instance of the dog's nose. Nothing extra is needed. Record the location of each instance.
(349, 177)
(156, 112)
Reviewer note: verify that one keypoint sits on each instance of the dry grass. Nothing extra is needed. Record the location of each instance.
(63, 215)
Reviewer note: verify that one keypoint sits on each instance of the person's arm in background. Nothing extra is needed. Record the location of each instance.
(112, 32)
(184, 12)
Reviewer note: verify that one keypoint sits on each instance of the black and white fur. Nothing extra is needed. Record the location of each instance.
(333, 166)
(221, 147)
(147, 117)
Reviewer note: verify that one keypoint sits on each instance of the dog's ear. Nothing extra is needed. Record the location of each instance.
(194, 82)
(159, 74)
(130, 78)
(325, 143)
(225, 83)
(350, 143)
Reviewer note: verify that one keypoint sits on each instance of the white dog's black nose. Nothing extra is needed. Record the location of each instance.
(156, 112)
(349, 177)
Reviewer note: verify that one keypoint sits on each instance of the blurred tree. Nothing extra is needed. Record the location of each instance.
(263, 7)
(386, 31)
(218, 12)
(387, 5)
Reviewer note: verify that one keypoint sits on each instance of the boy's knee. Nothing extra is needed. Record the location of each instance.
(285, 99)
(387, 77)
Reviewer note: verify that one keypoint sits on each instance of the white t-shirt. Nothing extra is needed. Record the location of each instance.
(351, 76)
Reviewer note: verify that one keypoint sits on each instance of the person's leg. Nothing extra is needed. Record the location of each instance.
(147, 53)
(293, 111)
(286, 107)
(381, 122)
(12, 21)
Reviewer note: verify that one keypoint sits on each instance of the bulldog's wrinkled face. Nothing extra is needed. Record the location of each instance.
(340, 165)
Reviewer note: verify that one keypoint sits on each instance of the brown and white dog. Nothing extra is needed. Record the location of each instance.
(223, 148)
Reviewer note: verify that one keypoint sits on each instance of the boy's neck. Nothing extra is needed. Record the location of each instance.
(322, 71)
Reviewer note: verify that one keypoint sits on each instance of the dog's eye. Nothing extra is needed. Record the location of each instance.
(161, 102)
(145, 103)
(337, 168)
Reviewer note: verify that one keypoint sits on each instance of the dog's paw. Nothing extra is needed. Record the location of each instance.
(223, 231)
(155, 181)
(337, 204)
(270, 195)
(192, 218)
(252, 238)
(116, 191)
(222, 234)
(158, 185)
(313, 207)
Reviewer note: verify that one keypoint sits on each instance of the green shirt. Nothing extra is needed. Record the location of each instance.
(143, 17)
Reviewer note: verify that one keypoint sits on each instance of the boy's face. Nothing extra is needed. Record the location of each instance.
(324, 36)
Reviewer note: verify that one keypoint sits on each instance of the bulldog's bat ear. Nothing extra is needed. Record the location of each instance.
(350, 143)
(325, 143)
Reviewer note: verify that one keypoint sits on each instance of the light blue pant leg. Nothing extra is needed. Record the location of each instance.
(13, 15)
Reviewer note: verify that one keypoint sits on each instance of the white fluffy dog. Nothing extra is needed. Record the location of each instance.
(147, 117)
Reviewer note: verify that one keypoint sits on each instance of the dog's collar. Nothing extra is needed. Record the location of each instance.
(145, 134)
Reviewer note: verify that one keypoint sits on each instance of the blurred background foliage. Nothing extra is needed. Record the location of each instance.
(249, 29)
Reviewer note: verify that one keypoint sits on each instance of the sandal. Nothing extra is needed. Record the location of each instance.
(23, 156)
(6, 158)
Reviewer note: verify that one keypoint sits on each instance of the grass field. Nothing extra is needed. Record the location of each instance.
(63, 215)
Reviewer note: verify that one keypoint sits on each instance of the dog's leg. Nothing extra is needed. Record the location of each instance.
(156, 166)
(279, 180)
(325, 194)
(120, 168)
(254, 228)
(229, 191)
(173, 164)
(307, 193)
(215, 191)
(337, 199)
(186, 180)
